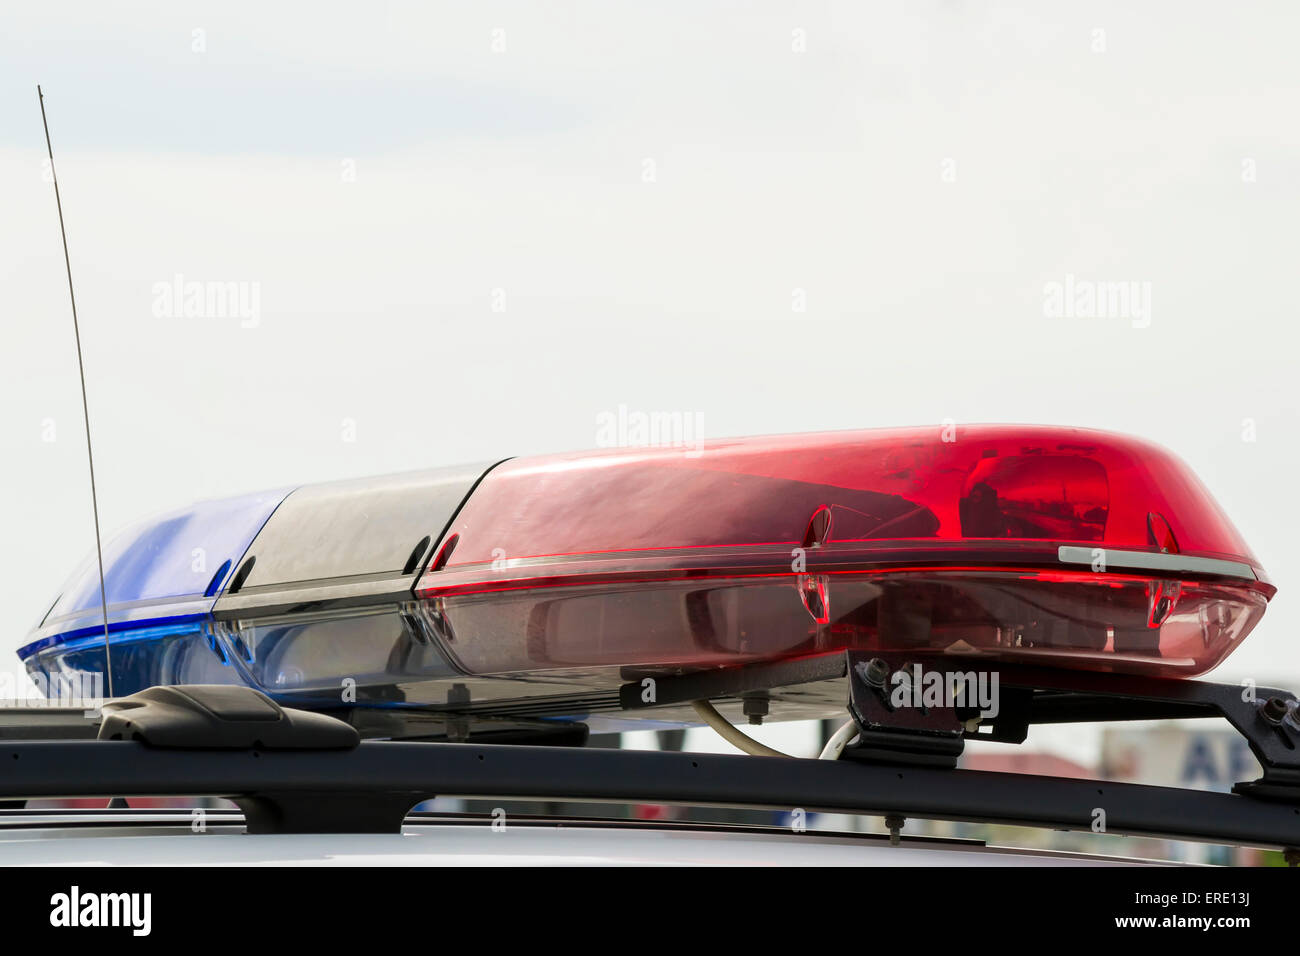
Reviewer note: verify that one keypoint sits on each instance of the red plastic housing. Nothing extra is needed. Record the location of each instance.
(1060, 545)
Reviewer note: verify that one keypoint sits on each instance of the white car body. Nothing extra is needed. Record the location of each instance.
(172, 838)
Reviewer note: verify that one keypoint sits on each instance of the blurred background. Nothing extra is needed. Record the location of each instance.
(452, 232)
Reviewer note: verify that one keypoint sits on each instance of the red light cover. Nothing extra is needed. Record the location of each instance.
(1057, 545)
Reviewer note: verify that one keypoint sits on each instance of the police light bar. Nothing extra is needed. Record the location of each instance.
(538, 585)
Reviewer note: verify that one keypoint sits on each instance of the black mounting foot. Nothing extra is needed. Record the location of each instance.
(327, 812)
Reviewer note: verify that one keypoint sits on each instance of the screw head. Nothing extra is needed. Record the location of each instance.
(1273, 710)
(877, 672)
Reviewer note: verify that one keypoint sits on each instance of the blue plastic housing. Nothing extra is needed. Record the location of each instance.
(162, 577)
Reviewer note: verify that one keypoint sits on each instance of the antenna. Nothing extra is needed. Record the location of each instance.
(85, 405)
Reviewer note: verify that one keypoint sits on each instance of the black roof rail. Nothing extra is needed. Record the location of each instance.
(371, 787)
(291, 771)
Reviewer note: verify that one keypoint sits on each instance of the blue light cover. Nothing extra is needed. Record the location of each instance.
(162, 576)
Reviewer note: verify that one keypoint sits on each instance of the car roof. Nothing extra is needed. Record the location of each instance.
(128, 837)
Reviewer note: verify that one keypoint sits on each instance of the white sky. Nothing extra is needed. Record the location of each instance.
(523, 171)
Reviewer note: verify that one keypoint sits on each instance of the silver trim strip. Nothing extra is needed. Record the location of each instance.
(1156, 561)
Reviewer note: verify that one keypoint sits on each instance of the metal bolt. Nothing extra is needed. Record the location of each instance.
(877, 672)
(1273, 710)
(755, 707)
